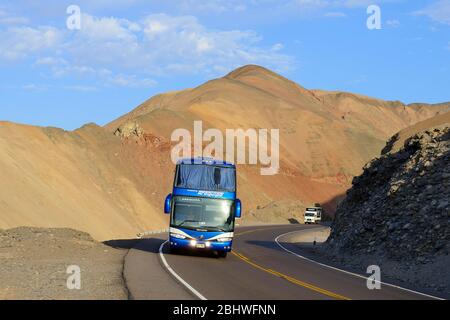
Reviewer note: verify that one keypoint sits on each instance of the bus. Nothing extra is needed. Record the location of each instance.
(203, 206)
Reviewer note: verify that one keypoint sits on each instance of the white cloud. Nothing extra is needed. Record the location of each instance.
(107, 29)
(160, 42)
(307, 9)
(354, 3)
(43, 87)
(277, 47)
(335, 15)
(438, 11)
(50, 61)
(214, 6)
(326, 4)
(393, 23)
(18, 42)
(131, 81)
(7, 18)
(34, 87)
(80, 88)
(132, 53)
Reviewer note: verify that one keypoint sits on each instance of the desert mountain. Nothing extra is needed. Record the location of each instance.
(82, 179)
(325, 137)
(111, 181)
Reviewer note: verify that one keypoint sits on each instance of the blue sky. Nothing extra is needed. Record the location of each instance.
(126, 51)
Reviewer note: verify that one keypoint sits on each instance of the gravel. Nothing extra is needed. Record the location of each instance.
(34, 263)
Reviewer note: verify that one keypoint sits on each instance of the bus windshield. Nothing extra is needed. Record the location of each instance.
(202, 213)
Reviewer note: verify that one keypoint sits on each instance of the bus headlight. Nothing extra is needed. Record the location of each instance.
(224, 239)
(193, 243)
(177, 235)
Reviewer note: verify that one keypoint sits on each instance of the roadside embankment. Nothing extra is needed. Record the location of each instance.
(308, 237)
(397, 214)
(34, 263)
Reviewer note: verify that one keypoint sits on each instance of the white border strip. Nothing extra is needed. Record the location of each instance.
(344, 271)
(173, 273)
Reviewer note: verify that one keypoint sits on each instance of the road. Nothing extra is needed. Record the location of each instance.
(258, 268)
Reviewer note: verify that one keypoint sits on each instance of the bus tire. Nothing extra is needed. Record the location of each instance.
(222, 254)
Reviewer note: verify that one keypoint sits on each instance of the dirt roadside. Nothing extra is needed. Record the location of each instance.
(34, 264)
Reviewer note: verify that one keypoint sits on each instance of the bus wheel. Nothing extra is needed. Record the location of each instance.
(222, 254)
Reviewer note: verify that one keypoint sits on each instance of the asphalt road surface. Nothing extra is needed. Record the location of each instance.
(257, 268)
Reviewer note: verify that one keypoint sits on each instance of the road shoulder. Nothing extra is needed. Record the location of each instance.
(146, 277)
(59, 264)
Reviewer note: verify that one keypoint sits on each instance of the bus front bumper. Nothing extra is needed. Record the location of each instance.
(200, 244)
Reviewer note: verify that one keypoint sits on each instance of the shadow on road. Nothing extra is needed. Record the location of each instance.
(265, 244)
(152, 245)
(121, 243)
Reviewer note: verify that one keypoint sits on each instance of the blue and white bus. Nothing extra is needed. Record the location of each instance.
(203, 206)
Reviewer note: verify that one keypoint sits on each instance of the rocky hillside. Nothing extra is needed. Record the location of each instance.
(399, 208)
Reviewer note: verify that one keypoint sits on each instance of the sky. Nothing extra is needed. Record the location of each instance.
(67, 63)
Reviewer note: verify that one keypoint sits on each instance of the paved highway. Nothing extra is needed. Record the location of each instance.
(258, 268)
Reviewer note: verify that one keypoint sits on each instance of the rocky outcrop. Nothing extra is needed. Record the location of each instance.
(400, 205)
(129, 129)
(399, 208)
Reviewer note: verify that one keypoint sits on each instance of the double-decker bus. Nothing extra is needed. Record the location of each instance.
(203, 206)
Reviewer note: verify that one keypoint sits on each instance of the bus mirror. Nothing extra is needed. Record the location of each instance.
(238, 209)
(168, 204)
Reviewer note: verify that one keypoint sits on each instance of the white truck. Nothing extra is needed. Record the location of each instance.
(313, 215)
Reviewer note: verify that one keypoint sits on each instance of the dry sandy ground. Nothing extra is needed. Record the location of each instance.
(307, 237)
(34, 261)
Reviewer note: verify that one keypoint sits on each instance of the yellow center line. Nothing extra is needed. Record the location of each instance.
(290, 279)
(286, 277)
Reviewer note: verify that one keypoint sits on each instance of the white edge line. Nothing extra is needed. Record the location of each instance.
(173, 273)
(344, 271)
